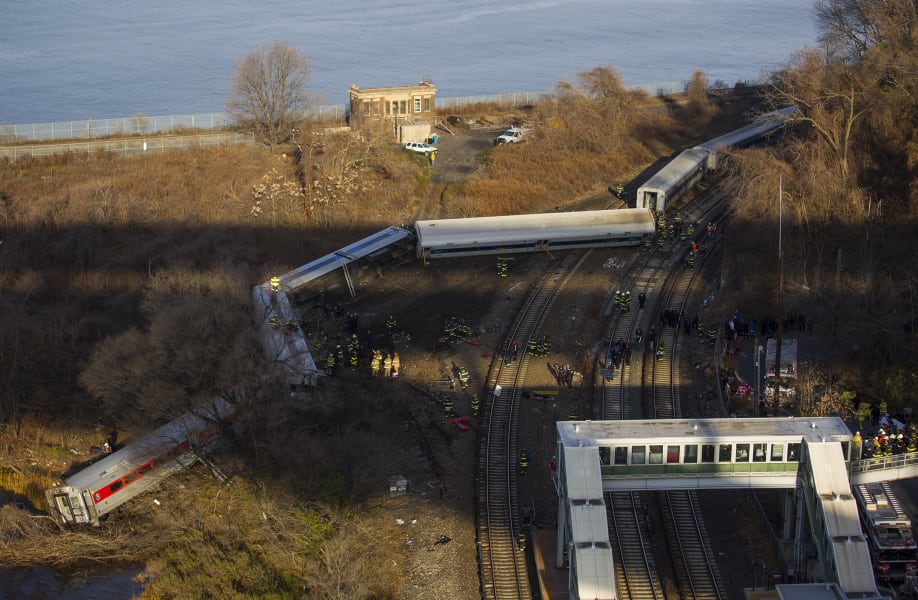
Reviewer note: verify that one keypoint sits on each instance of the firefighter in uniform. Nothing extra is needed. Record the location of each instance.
(387, 366)
(524, 462)
(376, 363)
(396, 365)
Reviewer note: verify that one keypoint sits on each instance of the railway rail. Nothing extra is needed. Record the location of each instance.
(500, 530)
(667, 286)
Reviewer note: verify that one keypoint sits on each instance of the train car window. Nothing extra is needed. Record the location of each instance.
(793, 452)
(777, 453)
(145, 469)
(638, 455)
(115, 486)
(707, 453)
(672, 454)
(742, 453)
(621, 455)
(691, 453)
(130, 477)
(656, 455)
(725, 453)
(605, 456)
(758, 452)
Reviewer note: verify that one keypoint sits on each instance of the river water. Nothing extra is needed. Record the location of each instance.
(63, 60)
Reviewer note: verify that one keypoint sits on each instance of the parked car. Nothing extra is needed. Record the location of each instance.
(514, 135)
(421, 148)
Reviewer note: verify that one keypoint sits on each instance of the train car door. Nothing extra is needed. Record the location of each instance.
(647, 199)
(68, 505)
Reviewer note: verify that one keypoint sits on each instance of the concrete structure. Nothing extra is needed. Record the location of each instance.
(810, 457)
(397, 104)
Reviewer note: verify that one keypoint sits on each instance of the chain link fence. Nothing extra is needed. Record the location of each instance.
(139, 125)
(127, 146)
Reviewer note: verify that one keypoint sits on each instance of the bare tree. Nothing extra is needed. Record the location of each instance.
(598, 113)
(829, 97)
(199, 343)
(696, 92)
(269, 90)
(850, 28)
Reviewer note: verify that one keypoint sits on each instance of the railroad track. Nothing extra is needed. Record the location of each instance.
(501, 534)
(637, 573)
(693, 562)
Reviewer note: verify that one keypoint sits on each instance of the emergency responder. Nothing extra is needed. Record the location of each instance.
(642, 299)
(524, 462)
(376, 363)
(463, 377)
(661, 351)
(275, 284)
(626, 302)
(274, 322)
(387, 366)
(329, 364)
(396, 365)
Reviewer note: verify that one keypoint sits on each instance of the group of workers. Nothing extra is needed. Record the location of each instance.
(388, 367)
(894, 437)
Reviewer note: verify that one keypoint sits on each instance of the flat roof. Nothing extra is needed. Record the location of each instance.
(670, 175)
(595, 433)
(295, 279)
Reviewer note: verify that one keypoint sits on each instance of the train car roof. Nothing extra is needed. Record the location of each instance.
(297, 278)
(595, 572)
(133, 455)
(593, 433)
(748, 134)
(676, 170)
(521, 228)
(840, 518)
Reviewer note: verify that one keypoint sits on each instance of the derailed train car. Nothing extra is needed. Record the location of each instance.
(684, 171)
(87, 496)
(445, 238)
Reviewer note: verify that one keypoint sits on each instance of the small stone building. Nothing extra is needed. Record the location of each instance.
(409, 108)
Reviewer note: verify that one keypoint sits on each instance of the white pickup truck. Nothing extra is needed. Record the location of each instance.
(514, 135)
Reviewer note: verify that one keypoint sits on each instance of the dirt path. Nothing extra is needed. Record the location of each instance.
(458, 158)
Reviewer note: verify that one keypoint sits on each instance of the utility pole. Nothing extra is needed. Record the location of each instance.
(780, 295)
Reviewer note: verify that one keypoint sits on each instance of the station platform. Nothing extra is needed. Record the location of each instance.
(552, 580)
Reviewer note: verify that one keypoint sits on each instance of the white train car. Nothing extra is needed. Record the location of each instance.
(684, 171)
(529, 233)
(90, 494)
(755, 132)
(673, 180)
(282, 337)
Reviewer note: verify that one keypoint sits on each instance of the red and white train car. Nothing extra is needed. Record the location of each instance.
(87, 496)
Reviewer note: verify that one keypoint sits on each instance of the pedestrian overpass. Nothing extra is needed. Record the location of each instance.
(819, 457)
